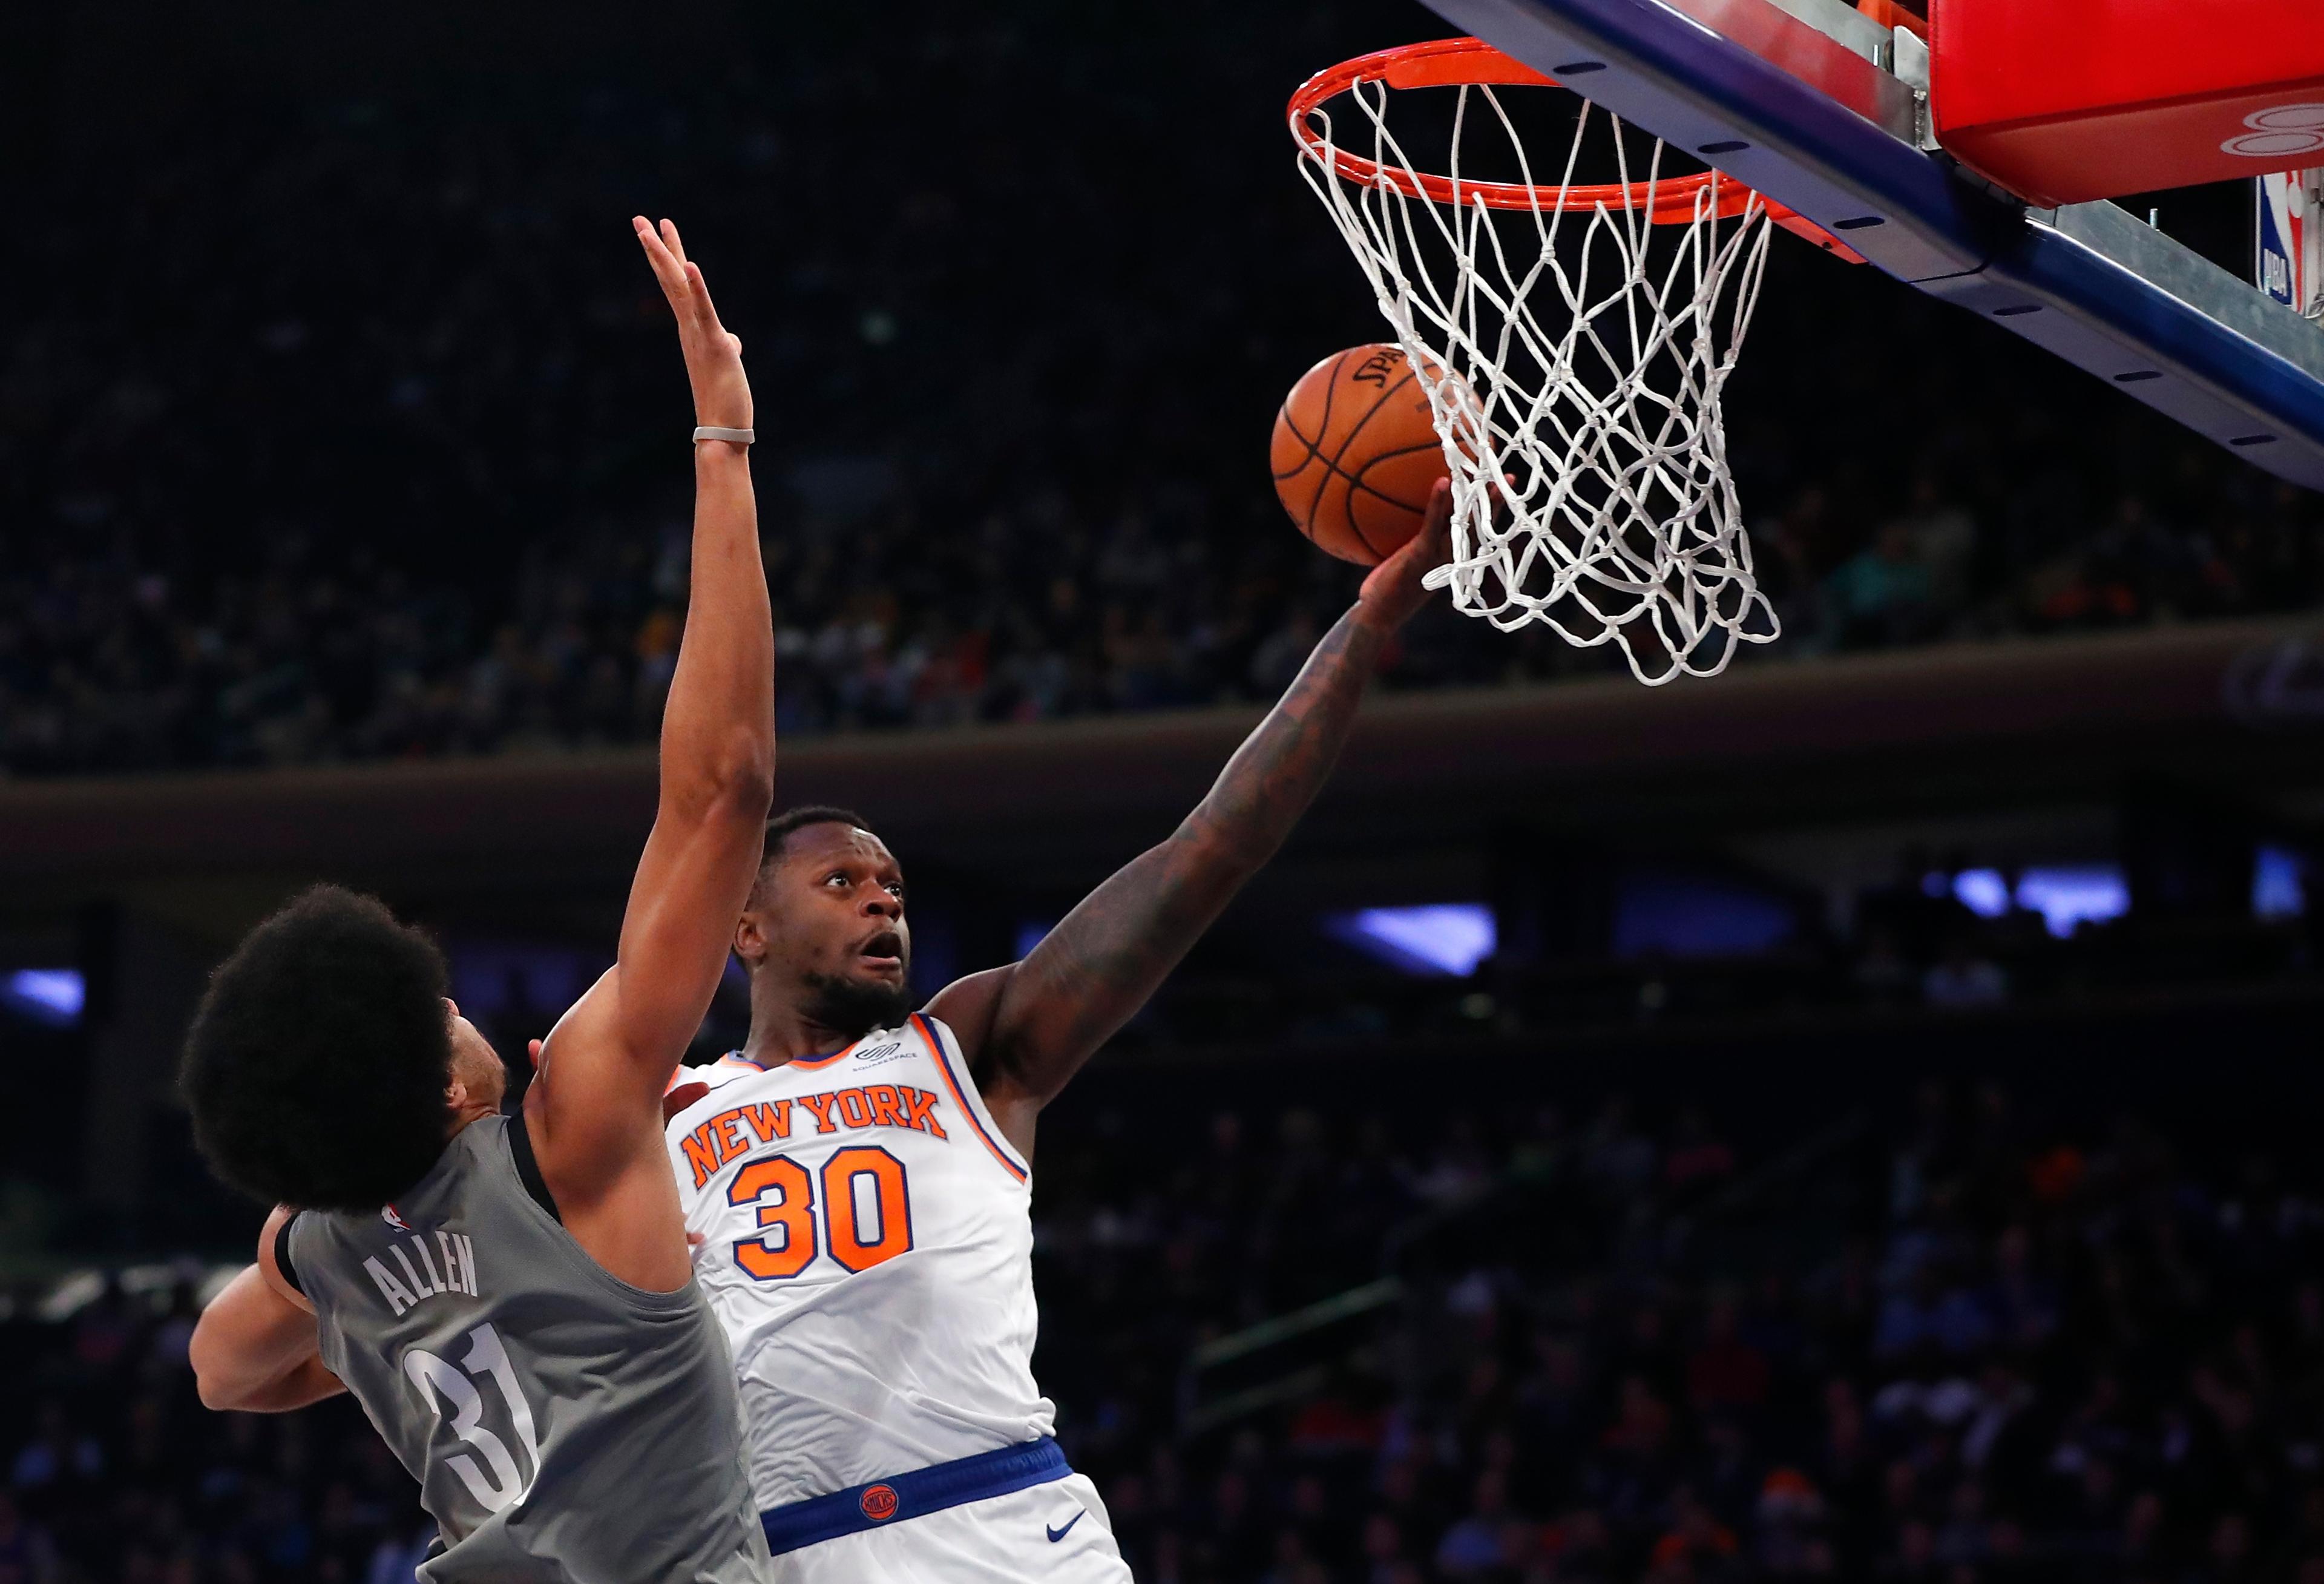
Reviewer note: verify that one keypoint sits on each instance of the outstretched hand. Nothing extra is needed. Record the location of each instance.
(1392, 591)
(714, 354)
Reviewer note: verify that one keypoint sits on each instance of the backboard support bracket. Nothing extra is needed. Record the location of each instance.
(1845, 26)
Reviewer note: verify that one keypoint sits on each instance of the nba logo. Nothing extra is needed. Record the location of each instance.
(2291, 243)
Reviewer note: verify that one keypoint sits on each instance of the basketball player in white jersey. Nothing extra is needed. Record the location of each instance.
(857, 1178)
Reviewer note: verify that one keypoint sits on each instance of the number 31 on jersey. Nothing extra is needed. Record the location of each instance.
(498, 1481)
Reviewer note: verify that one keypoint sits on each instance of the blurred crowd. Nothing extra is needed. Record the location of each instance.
(1973, 1348)
(347, 426)
(116, 1475)
(1956, 1345)
(1717, 959)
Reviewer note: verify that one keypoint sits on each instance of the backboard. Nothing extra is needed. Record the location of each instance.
(1825, 111)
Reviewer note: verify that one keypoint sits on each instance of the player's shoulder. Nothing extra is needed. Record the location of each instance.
(690, 1087)
(923, 1030)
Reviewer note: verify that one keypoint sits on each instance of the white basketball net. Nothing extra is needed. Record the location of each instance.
(1591, 486)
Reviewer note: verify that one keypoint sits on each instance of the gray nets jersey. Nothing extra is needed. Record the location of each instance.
(564, 1425)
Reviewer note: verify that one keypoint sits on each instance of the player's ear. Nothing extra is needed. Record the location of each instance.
(750, 942)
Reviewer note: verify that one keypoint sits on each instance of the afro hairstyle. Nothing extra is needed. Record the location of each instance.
(318, 1060)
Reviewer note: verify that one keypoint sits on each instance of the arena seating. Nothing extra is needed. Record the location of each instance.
(410, 488)
(1986, 1339)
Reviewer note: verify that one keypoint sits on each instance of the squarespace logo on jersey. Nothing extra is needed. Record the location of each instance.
(874, 1056)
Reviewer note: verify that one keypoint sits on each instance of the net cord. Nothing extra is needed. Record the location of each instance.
(1608, 513)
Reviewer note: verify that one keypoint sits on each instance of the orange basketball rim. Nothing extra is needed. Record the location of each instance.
(1446, 63)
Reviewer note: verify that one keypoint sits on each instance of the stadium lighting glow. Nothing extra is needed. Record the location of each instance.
(1982, 891)
(2279, 884)
(1439, 938)
(2065, 895)
(2067, 898)
(53, 996)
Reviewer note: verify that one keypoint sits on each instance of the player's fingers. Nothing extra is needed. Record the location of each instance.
(532, 1049)
(705, 313)
(658, 253)
(1425, 549)
(1431, 547)
(1436, 528)
(666, 268)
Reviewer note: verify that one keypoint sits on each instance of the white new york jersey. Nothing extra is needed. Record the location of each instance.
(865, 1238)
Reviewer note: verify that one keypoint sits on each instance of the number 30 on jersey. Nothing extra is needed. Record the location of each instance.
(858, 1210)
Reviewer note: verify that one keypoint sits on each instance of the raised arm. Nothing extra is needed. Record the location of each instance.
(595, 1111)
(1026, 1028)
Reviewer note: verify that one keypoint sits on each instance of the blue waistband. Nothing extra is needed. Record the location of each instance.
(882, 1502)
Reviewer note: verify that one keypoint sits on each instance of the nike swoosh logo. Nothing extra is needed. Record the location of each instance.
(1058, 1535)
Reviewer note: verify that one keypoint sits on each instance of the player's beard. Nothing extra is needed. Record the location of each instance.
(853, 1007)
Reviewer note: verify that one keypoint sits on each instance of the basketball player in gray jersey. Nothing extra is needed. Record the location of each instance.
(510, 1297)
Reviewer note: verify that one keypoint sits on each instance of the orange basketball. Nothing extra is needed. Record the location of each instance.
(1355, 452)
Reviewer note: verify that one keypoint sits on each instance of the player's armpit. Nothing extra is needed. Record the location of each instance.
(600, 1149)
(580, 1116)
(966, 1005)
(968, 1008)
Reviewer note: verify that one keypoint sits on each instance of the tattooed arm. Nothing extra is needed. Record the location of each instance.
(1026, 1028)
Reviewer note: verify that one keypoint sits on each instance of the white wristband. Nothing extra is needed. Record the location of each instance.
(740, 437)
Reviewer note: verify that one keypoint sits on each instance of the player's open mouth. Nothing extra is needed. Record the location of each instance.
(884, 949)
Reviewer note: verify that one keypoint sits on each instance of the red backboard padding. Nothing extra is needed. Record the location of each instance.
(2061, 103)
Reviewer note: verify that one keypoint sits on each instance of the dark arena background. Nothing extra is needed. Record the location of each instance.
(1853, 1118)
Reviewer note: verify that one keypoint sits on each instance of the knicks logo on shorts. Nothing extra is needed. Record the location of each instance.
(879, 1503)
